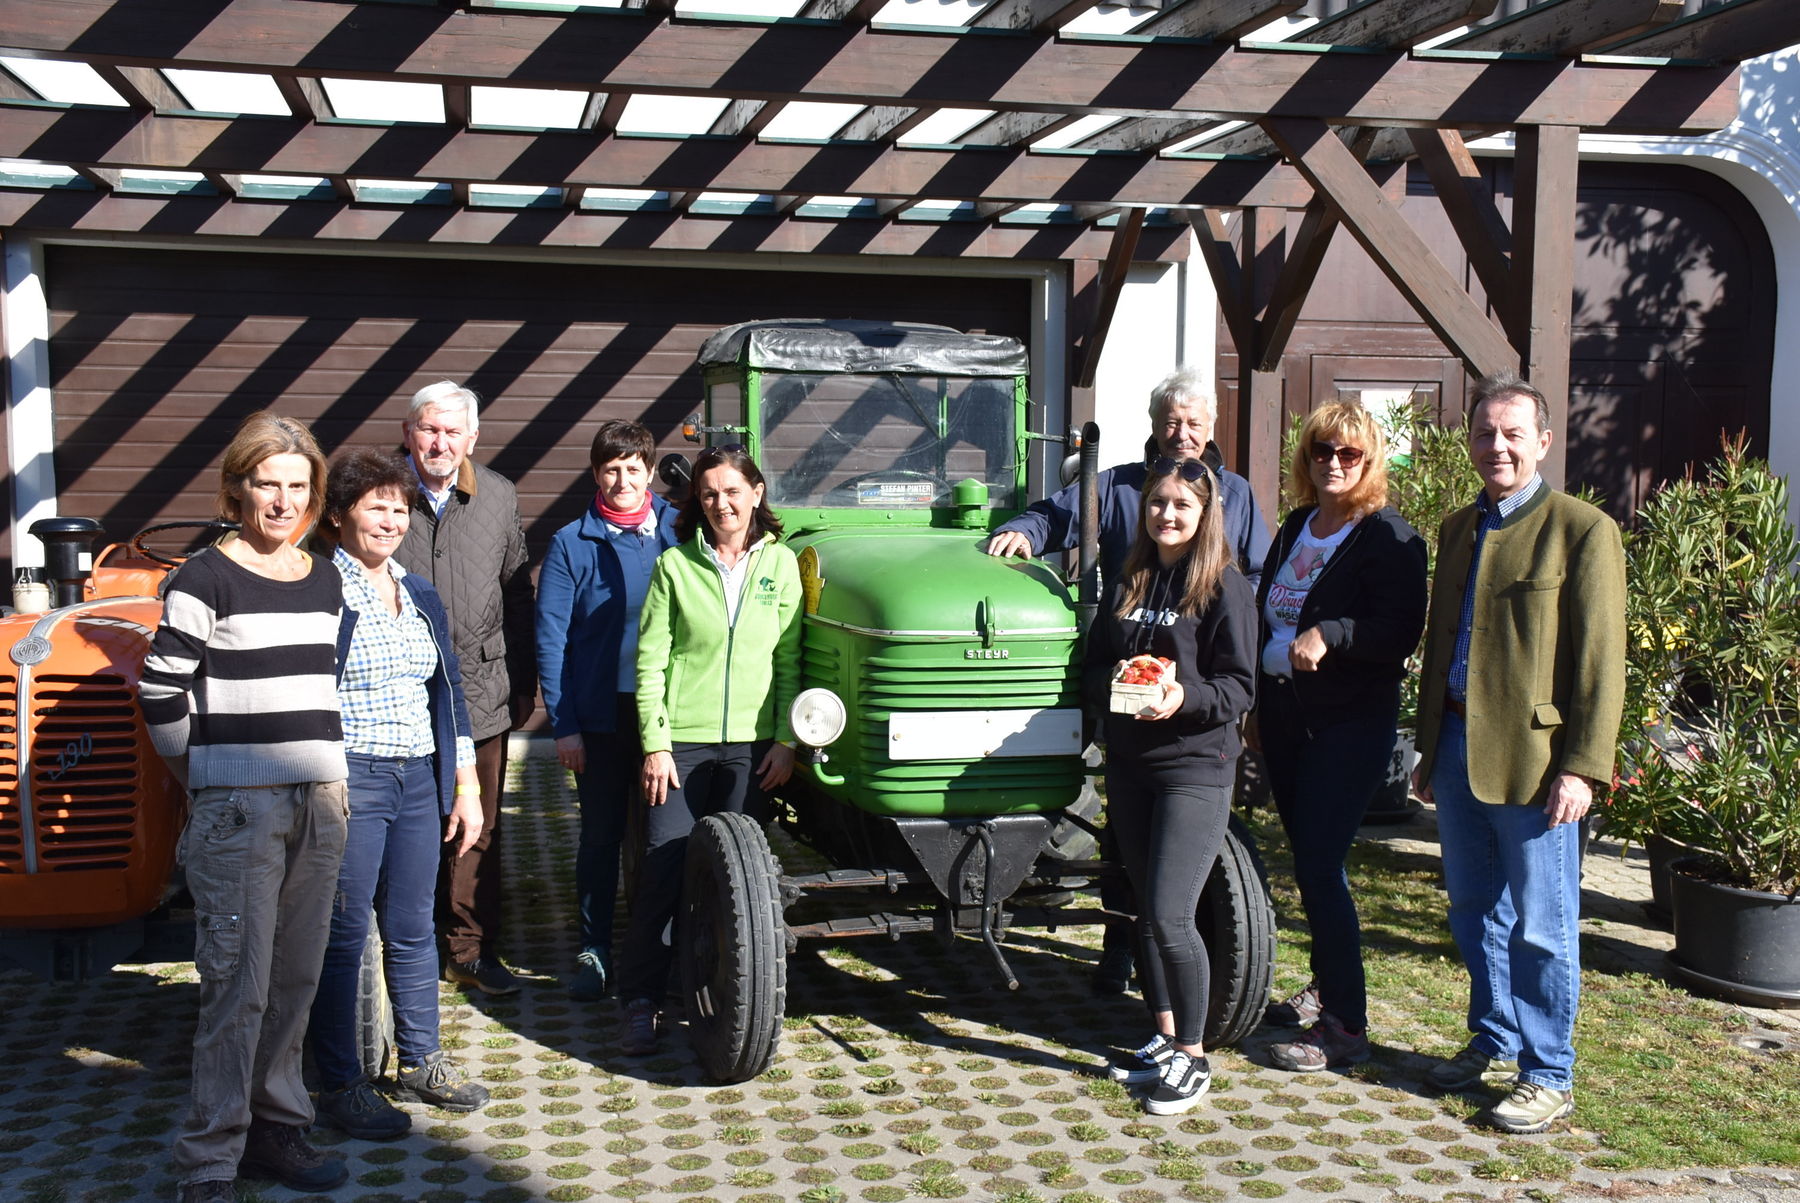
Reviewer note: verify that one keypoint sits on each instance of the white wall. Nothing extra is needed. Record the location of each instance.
(1167, 318)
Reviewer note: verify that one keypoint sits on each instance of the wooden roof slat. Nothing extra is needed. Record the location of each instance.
(14, 88)
(1391, 24)
(304, 96)
(850, 12)
(99, 177)
(1016, 129)
(748, 117)
(882, 121)
(1570, 26)
(458, 99)
(602, 111)
(307, 222)
(831, 63)
(1731, 32)
(142, 87)
(1225, 20)
(1145, 133)
(1043, 15)
(122, 138)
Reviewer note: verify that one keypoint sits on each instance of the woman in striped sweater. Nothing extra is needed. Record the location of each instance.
(240, 696)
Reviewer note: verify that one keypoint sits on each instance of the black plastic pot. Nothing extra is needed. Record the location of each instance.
(1739, 945)
(1393, 801)
(1661, 852)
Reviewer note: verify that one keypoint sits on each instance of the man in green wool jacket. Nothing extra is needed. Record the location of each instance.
(1522, 689)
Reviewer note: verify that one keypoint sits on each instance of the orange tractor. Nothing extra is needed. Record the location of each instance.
(89, 814)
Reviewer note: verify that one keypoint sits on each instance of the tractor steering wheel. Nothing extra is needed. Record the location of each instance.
(138, 545)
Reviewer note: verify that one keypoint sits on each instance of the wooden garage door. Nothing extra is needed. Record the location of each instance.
(157, 354)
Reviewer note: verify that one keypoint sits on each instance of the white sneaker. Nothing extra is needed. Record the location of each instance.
(1144, 1064)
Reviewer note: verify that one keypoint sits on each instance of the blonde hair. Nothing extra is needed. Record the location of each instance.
(262, 434)
(1352, 426)
(1208, 555)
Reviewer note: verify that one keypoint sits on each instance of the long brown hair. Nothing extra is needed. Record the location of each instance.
(1207, 556)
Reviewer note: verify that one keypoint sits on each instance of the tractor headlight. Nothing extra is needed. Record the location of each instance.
(818, 717)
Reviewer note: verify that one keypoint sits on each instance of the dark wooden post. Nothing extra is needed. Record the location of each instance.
(1544, 272)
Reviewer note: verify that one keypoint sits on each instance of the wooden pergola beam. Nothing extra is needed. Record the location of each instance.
(1112, 285)
(120, 138)
(311, 222)
(1396, 248)
(1145, 134)
(1570, 26)
(1228, 278)
(1300, 267)
(1015, 129)
(1031, 71)
(1544, 270)
(1473, 214)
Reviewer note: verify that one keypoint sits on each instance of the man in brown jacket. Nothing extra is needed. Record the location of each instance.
(466, 539)
(1522, 688)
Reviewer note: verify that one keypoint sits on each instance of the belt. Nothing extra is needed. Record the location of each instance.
(1455, 707)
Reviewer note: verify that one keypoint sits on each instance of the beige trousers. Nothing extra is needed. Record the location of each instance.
(262, 865)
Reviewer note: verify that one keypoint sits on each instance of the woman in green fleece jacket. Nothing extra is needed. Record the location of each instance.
(718, 664)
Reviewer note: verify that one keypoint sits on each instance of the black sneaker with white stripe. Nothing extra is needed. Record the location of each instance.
(1184, 1082)
(1144, 1064)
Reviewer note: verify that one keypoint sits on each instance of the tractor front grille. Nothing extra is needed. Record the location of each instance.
(12, 839)
(86, 755)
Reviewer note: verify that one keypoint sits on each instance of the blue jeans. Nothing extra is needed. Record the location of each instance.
(605, 788)
(1322, 779)
(390, 865)
(1515, 910)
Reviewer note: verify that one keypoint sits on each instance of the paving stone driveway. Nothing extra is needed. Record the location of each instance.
(904, 1073)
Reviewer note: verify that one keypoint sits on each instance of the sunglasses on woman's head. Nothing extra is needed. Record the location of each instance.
(1189, 470)
(1347, 457)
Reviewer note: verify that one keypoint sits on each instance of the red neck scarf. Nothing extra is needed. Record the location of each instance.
(624, 519)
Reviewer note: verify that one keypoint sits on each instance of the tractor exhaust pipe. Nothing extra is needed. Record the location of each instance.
(1087, 603)
(68, 555)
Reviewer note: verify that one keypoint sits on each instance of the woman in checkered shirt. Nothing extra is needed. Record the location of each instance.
(412, 787)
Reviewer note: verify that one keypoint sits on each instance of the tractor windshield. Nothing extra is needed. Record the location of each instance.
(887, 441)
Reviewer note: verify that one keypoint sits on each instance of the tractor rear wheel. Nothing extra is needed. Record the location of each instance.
(732, 947)
(1237, 921)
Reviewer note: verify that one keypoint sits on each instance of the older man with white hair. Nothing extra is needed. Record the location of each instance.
(466, 539)
(1183, 412)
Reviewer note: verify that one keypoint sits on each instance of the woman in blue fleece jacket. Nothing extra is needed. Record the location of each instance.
(590, 591)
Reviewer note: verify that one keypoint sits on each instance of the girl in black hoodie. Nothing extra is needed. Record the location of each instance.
(1170, 768)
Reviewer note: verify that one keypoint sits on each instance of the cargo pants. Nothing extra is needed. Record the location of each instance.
(262, 865)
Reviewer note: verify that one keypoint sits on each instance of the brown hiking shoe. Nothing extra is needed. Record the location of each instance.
(280, 1153)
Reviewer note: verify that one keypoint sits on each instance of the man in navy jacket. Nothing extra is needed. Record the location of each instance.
(1182, 416)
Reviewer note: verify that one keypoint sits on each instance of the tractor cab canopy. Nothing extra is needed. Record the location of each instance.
(871, 416)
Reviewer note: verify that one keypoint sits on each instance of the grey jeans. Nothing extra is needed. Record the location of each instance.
(262, 865)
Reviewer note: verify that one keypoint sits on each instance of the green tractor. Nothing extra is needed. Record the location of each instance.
(942, 768)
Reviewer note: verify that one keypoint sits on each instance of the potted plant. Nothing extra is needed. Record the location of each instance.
(1429, 477)
(1710, 745)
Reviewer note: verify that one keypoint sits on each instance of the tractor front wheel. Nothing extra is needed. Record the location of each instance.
(733, 947)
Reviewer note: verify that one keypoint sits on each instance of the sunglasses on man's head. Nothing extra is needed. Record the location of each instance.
(1189, 470)
(1347, 457)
